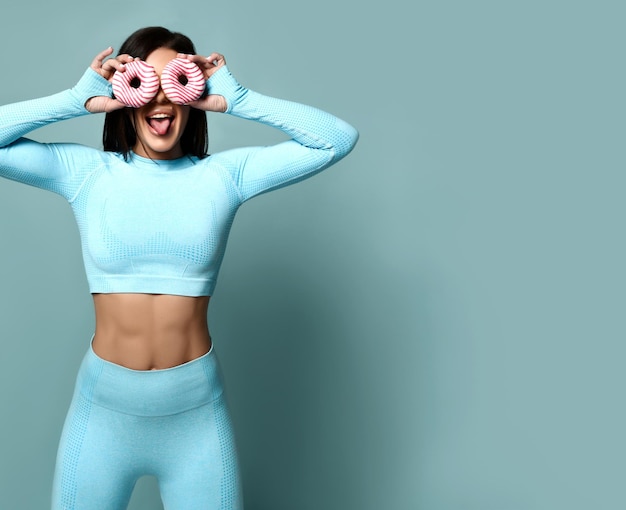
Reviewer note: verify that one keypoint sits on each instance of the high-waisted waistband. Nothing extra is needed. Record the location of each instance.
(150, 392)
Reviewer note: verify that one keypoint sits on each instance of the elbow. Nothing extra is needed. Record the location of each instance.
(353, 137)
(347, 138)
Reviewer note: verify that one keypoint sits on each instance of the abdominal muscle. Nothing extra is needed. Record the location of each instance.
(150, 331)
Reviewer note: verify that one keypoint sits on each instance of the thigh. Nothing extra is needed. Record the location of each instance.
(202, 471)
(92, 469)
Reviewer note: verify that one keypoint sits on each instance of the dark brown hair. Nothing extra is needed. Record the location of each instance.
(119, 134)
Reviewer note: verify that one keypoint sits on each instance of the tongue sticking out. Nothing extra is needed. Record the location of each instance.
(160, 125)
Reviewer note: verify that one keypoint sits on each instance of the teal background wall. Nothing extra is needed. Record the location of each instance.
(435, 323)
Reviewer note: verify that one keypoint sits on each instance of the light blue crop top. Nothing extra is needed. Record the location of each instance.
(160, 227)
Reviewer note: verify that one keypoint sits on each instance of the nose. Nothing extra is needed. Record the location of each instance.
(161, 97)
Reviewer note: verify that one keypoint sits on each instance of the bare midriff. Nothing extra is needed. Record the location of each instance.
(150, 331)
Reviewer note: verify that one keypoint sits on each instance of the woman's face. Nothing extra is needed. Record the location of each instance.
(160, 124)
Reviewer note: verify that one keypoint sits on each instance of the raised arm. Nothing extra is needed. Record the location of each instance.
(318, 139)
(50, 166)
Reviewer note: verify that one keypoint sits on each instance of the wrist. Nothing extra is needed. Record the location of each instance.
(222, 83)
(90, 85)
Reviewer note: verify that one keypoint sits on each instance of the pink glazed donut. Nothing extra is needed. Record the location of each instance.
(182, 81)
(137, 85)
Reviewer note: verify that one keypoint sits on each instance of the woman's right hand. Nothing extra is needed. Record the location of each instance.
(106, 69)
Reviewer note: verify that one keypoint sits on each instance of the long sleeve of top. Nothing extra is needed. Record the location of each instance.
(18, 119)
(161, 226)
(319, 139)
(47, 166)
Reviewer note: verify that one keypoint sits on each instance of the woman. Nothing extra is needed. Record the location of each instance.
(154, 212)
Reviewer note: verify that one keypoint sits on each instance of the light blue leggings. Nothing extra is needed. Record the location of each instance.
(123, 424)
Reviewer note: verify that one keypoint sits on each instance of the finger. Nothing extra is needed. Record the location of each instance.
(217, 59)
(213, 60)
(125, 58)
(111, 65)
(196, 59)
(117, 63)
(96, 63)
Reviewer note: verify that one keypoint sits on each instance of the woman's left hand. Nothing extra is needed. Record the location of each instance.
(208, 65)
